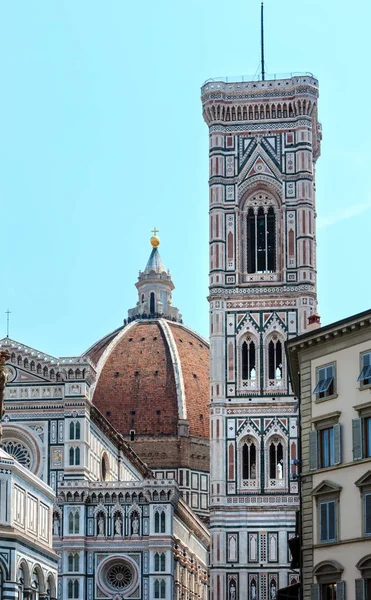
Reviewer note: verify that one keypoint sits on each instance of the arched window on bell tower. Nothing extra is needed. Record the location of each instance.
(248, 464)
(275, 369)
(261, 236)
(248, 360)
(152, 303)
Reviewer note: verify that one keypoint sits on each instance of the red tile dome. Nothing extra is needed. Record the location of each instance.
(153, 377)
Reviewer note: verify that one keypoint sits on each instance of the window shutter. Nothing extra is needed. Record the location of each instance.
(360, 589)
(340, 590)
(313, 450)
(315, 591)
(332, 525)
(357, 435)
(367, 507)
(337, 444)
(323, 522)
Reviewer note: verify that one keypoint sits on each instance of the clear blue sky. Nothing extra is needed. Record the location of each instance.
(102, 138)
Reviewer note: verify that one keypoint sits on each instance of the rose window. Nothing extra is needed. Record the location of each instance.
(119, 576)
(18, 451)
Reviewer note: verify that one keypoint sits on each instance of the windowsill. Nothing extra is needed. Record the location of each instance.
(365, 387)
(320, 400)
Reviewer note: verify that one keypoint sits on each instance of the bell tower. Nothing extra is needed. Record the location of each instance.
(264, 140)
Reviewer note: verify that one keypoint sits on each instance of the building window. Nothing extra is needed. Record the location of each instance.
(73, 589)
(327, 521)
(73, 562)
(365, 375)
(74, 522)
(276, 460)
(160, 561)
(249, 460)
(248, 358)
(275, 369)
(160, 588)
(361, 434)
(74, 456)
(329, 586)
(75, 430)
(363, 586)
(261, 240)
(160, 522)
(325, 447)
(325, 386)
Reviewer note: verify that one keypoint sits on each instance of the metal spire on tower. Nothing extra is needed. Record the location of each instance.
(262, 39)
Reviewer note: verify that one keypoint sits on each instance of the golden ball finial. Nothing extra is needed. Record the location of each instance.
(155, 240)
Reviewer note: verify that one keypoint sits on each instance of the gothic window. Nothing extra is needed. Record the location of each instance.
(52, 374)
(73, 562)
(276, 459)
(38, 369)
(25, 363)
(248, 359)
(32, 365)
(19, 360)
(261, 240)
(73, 589)
(74, 456)
(152, 303)
(275, 359)
(75, 430)
(248, 460)
(74, 522)
(160, 588)
(160, 522)
(70, 374)
(45, 371)
(12, 358)
(160, 561)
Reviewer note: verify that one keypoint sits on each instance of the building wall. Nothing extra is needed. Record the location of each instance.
(343, 347)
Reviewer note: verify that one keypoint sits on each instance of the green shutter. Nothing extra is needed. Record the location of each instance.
(357, 435)
(340, 590)
(323, 522)
(313, 450)
(315, 591)
(337, 444)
(367, 515)
(360, 589)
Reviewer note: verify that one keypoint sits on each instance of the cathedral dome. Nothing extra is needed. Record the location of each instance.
(153, 379)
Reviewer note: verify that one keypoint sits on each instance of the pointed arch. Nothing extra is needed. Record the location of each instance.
(247, 361)
(275, 359)
(276, 460)
(248, 462)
